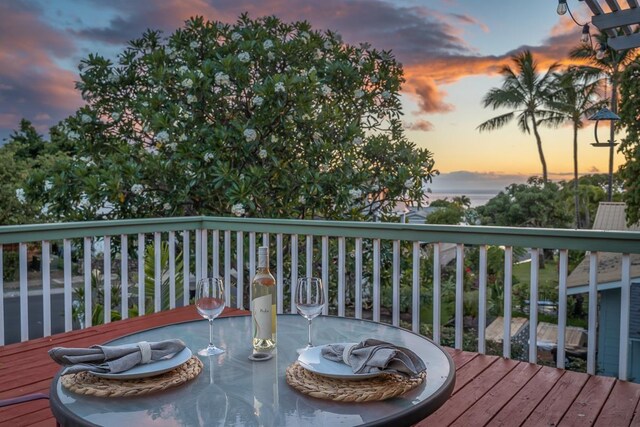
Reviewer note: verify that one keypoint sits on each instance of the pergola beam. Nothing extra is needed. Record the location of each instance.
(622, 18)
(596, 9)
(615, 8)
(624, 42)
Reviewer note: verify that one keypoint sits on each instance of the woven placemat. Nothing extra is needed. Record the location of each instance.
(88, 384)
(367, 390)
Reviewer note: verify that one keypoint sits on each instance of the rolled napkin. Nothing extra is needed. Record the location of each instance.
(114, 359)
(371, 356)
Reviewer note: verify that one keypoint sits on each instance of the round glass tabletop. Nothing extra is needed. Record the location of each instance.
(235, 391)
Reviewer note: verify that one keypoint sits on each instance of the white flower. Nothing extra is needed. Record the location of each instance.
(48, 185)
(408, 184)
(238, 209)
(85, 118)
(326, 90)
(355, 194)
(194, 44)
(317, 138)
(137, 189)
(182, 137)
(302, 200)
(262, 154)
(115, 116)
(20, 195)
(305, 35)
(73, 135)
(112, 78)
(323, 168)
(191, 99)
(359, 163)
(327, 44)
(268, 44)
(145, 104)
(318, 54)
(271, 56)
(183, 69)
(358, 93)
(199, 73)
(386, 94)
(306, 117)
(166, 206)
(375, 187)
(374, 79)
(274, 138)
(173, 146)
(222, 79)
(168, 50)
(188, 83)
(162, 136)
(244, 57)
(134, 209)
(250, 135)
(279, 87)
(208, 157)
(357, 140)
(257, 101)
(236, 36)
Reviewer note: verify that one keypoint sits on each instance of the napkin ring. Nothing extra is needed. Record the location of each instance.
(347, 352)
(145, 351)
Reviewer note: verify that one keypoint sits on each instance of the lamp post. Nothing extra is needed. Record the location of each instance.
(610, 116)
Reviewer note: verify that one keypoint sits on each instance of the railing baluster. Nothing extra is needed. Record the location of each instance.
(1, 296)
(593, 314)
(186, 274)
(358, 284)
(376, 280)
(240, 269)
(562, 306)
(533, 306)
(341, 276)
(625, 300)
(124, 276)
(279, 271)
(172, 269)
(46, 287)
(415, 298)
(436, 292)
(24, 294)
(265, 239)
(482, 300)
(204, 254)
(227, 267)
(215, 250)
(252, 266)
(199, 256)
(309, 255)
(294, 270)
(157, 273)
(141, 279)
(506, 295)
(107, 280)
(68, 286)
(459, 295)
(88, 309)
(325, 273)
(395, 309)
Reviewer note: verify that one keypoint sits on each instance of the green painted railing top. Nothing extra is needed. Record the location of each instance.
(609, 241)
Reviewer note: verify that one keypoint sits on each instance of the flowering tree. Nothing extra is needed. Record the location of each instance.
(260, 118)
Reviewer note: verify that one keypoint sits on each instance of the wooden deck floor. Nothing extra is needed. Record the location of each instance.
(489, 390)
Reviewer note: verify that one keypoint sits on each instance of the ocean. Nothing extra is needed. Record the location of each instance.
(477, 197)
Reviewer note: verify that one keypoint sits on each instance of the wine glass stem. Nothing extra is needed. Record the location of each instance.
(210, 332)
(310, 333)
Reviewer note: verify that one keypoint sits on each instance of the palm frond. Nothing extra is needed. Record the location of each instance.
(496, 122)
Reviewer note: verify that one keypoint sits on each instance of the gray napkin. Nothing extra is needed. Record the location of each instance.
(114, 359)
(373, 355)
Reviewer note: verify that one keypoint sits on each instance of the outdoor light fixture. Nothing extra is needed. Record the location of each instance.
(584, 38)
(601, 51)
(607, 115)
(562, 7)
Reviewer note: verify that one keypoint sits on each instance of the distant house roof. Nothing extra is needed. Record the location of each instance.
(610, 216)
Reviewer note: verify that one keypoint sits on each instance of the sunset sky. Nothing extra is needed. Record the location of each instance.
(451, 50)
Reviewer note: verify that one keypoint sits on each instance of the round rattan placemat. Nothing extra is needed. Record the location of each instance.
(367, 390)
(88, 384)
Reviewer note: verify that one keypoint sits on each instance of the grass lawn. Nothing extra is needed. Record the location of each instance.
(547, 276)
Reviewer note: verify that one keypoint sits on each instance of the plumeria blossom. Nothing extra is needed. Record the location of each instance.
(191, 99)
(355, 194)
(250, 135)
(386, 94)
(357, 140)
(20, 195)
(85, 118)
(166, 207)
(194, 44)
(208, 157)
(236, 36)
(358, 93)
(271, 56)
(326, 90)
(137, 189)
(48, 185)
(188, 83)
(268, 44)
(244, 57)
(238, 209)
(257, 101)
(262, 154)
(173, 146)
(115, 116)
(302, 200)
(279, 87)
(162, 136)
(182, 137)
(222, 79)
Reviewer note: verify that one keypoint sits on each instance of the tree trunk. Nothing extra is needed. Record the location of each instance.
(540, 153)
(575, 174)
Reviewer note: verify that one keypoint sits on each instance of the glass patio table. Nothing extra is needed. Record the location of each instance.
(233, 390)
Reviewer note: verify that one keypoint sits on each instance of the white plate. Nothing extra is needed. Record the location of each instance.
(150, 369)
(312, 360)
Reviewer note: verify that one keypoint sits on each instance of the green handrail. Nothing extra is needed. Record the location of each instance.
(587, 240)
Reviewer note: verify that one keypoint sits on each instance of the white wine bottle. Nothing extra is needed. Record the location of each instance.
(263, 305)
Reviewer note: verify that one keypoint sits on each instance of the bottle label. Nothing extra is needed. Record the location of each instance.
(262, 317)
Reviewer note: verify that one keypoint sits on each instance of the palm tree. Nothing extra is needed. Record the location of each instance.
(576, 97)
(609, 69)
(525, 91)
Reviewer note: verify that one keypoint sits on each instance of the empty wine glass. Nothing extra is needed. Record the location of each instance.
(309, 301)
(210, 303)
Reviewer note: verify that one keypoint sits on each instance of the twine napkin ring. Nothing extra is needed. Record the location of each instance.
(145, 350)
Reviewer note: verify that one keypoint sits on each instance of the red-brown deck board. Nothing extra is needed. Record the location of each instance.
(489, 390)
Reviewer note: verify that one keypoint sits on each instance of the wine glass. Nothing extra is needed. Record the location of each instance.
(210, 303)
(309, 301)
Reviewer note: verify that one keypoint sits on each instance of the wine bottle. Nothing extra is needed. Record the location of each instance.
(263, 305)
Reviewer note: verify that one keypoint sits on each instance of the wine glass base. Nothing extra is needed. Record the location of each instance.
(303, 349)
(210, 351)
